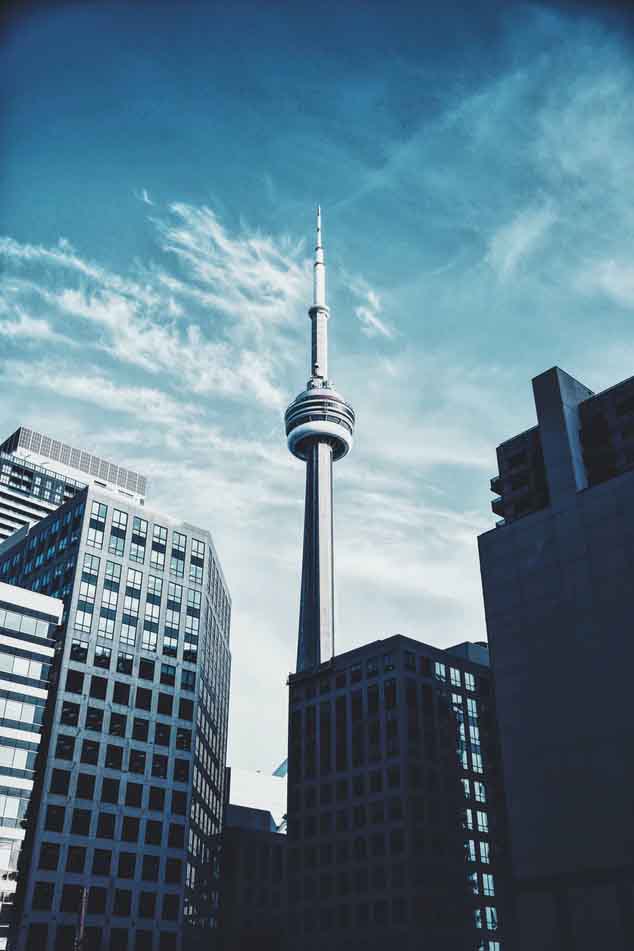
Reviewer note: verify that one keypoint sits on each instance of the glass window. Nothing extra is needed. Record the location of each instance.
(118, 531)
(197, 561)
(440, 671)
(485, 857)
(469, 680)
(139, 539)
(454, 676)
(124, 663)
(488, 885)
(159, 541)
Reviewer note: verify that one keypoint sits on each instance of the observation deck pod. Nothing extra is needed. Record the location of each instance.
(319, 413)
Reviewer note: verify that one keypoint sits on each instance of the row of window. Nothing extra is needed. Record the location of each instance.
(64, 939)
(136, 760)
(143, 696)
(70, 900)
(118, 722)
(156, 799)
(102, 657)
(375, 666)
(107, 822)
(126, 865)
(18, 623)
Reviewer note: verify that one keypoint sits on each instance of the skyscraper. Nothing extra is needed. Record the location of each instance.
(396, 828)
(319, 429)
(28, 624)
(557, 578)
(119, 851)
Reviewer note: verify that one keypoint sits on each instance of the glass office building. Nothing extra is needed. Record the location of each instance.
(28, 623)
(118, 852)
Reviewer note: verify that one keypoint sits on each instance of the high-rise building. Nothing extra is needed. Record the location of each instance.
(557, 578)
(39, 473)
(27, 627)
(119, 852)
(396, 830)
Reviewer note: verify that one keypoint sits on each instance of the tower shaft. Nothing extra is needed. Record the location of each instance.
(316, 639)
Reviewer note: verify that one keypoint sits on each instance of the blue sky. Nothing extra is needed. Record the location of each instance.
(160, 167)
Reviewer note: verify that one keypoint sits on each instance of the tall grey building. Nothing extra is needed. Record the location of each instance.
(118, 852)
(557, 578)
(39, 473)
(28, 624)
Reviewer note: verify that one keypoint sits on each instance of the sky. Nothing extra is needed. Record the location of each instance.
(160, 164)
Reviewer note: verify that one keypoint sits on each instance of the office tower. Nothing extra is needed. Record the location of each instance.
(557, 580)
(253, 880)
(319, 428)
(39, 473)
(27, 626)
(120, 850)
(396, 833)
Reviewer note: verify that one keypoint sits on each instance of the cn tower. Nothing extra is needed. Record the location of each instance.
(319, 430)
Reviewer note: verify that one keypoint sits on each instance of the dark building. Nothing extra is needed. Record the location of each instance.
(118, 852)
(558, 578)
(252, 881)
(396, 827)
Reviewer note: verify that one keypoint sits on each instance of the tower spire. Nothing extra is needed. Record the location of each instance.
(319, 428)
(319, 268)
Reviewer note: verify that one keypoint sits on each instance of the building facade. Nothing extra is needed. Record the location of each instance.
(38, 473)
(119, 850)
(28, 623)
(557, 581)
(253, 881)
(396, 828)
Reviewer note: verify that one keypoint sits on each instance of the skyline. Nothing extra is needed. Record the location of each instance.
(156, 250)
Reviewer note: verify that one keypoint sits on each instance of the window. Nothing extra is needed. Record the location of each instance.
(388, 662)
(90, 752)
(122, 906)
(124, 663)
(488, 885)
(480, 791)
(127, 865)
(118, 531)
(98, 687)
(134, 795)
(150, 868)
(472, 708)
(165, 701)
(476, 762)
(94, 719)
(143, 698)
(80, 824)
(179, 803)
(105, 825)
(176, 836)
(483, 821)
(188, 680)
(159, 766)
(139, 539)
(117, 724)
(71, 898)
(471, 851)
(197, 561)
(102, 657)
(79, 651)
(65, 747)
(130, 829)
(147, 902)
(159, 541)
(440, 671)
(181, 772)
(70, 713)
(157, 799)
(146, 669)
(154, 589)
(491, 918)
(75, 858)
(153, 832)
(85, 786)
(110, 790)
(101, 862)
(121, 693)
(96, 525)
(114, 757)
(140, 729)
(173, 871)
(185, 709)
(484, 853)
(162, 734)
(454, 676)
(469, 680)
(74, 682)
(170, 911)
(177, 560)
(168, 675)
(184, 741)
(49, 856)
(54, 818)
(137, 761)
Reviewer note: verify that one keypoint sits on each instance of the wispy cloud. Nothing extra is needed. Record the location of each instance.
(514, 242)
(369, 308)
